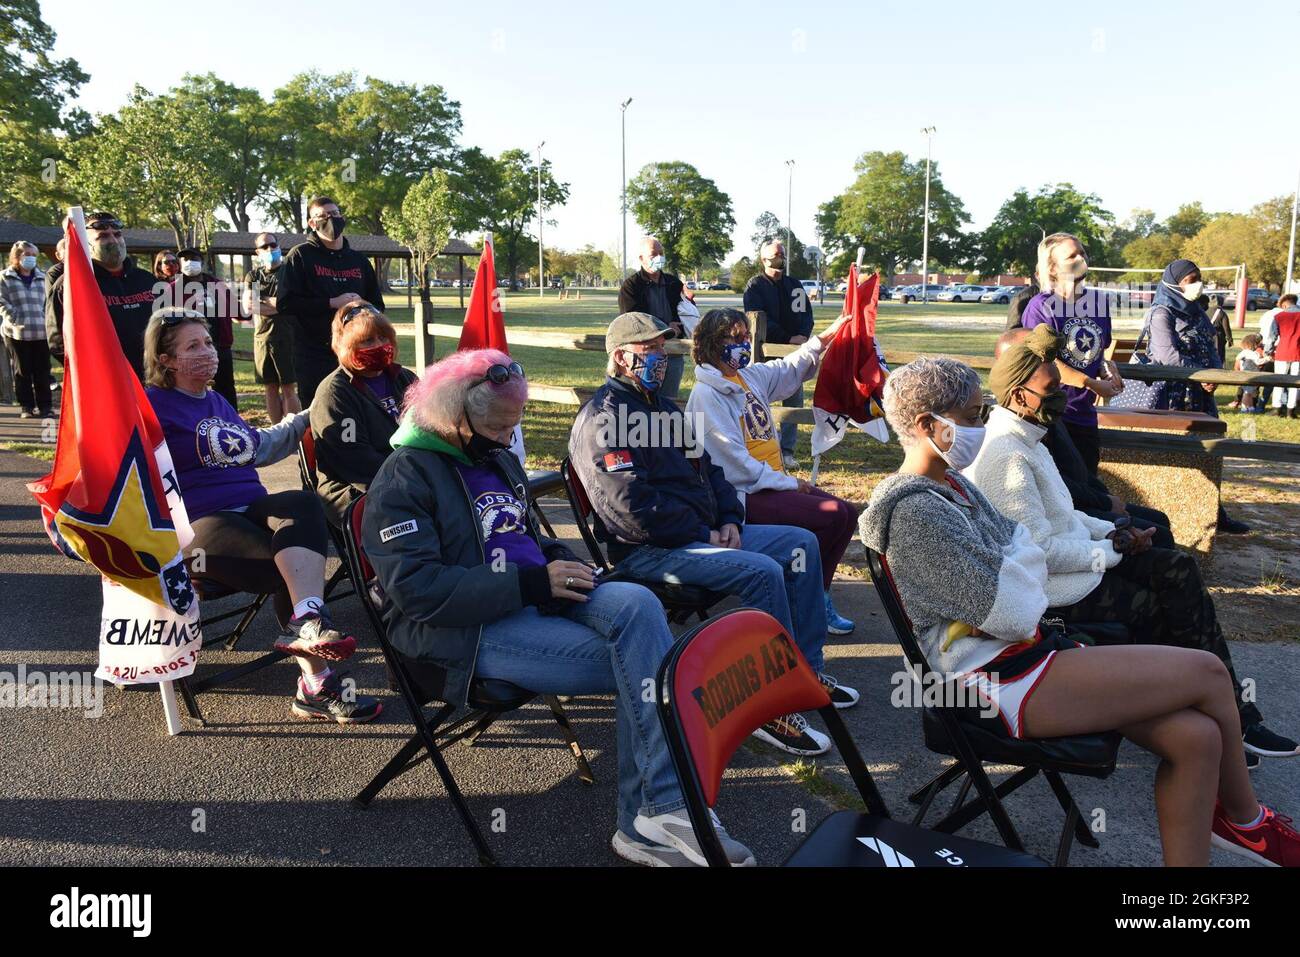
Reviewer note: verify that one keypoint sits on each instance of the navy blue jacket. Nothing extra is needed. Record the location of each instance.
(644, 491)
(785, 301)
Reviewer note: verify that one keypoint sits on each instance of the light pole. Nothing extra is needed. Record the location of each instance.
(1290, 250)
(541, 271)
(925, 229)
(789, 207)
(623, 109)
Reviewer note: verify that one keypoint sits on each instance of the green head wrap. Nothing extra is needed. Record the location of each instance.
(1015, 366)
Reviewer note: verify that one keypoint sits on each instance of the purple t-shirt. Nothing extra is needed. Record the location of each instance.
(383, 391)
(502, 517)
(212, 449)
(1085, 324)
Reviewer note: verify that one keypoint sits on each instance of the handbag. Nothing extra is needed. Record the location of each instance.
(1137, 394)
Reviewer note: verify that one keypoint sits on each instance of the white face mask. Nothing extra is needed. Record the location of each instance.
(656, 264)
(966, 443)
(191, 267)
(1192, 291)
(29, 262)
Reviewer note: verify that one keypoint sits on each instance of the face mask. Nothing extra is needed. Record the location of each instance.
(29, 262)
(480, 447)
(1192, 291)
(1074, 269)
(375, 359)
(650, 369)
(1050, 406)
(110, 254)
(202, 367)
(657, 264)
(269, 258)
(777, 262)
(966, 443)
(332, 228)
(191, 267)
(736, 355)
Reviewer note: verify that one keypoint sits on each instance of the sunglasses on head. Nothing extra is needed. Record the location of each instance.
(355, 311)
(174, 317)
(500, 374)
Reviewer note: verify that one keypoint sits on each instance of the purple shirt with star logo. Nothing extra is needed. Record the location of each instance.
(1085, 324)
(502, 518)
(212, 449)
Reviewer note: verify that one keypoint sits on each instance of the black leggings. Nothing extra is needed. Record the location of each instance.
(238, 549)
(224, 381)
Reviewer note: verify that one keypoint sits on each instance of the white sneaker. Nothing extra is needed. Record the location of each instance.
(793, 735)
(674, 830)
(647, 854)
(789, 461)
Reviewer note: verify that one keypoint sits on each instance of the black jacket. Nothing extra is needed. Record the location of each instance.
(1087, 491)
(313, 274)
(130, 299)
(351, 430)
(439, 591)
(645, 492)
(785, 301)
(634, 296)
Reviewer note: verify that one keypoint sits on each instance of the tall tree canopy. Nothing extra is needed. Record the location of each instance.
(685, 211)
(1010, 242)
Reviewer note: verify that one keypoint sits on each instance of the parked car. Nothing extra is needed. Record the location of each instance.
(911, 293)
(1000, 294)
(843, 286)
(720, 286)
(962, 292)
(812, 288)
(1255, 298)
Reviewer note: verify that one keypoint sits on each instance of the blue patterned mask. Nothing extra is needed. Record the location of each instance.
(736, 355)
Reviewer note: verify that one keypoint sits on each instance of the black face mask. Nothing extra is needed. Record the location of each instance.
(333, 228)
(479, 447)
(1051, 406)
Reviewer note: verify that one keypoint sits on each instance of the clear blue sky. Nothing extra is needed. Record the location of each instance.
(1145, 107)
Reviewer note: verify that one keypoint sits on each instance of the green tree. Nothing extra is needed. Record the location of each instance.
(767, 228)
(742, 271)
(154, 160)
(303, 114)
(1189, 220)
(1010, 242)
(589, 260)
(883, 210)
(35, 91)
(686, 211)
(500, 194)
(423, 223)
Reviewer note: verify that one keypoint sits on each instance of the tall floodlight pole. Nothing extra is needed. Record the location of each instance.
(541, 270)
(1290, 250)
(925, 229)
(623, 110)
(789, 211)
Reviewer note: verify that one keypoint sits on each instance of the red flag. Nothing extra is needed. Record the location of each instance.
(851, 377)
(112, 499)
(485, 326)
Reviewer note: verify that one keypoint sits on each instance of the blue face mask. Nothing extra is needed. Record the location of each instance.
(736, 355)
(270, 258)
(650, 370)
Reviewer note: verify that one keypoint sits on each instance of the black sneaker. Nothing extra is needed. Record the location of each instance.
(315, 635)
(792, 735)
(1230, 526)
(1252, 760)
(1268, 744)
(842, 696)
(331, 704)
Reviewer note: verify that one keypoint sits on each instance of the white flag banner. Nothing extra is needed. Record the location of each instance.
(829, 429)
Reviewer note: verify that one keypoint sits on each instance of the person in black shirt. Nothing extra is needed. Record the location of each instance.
(789, 320)
(653, 291)
(128, 291)
(1016, 309)
(273, 341)
(318, 277)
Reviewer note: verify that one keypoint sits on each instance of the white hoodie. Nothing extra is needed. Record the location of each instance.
(716, 405)
(1016, 473)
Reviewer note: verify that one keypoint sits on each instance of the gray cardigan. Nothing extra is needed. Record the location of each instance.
(957, 563)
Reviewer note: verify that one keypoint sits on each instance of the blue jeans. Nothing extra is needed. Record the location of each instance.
(673, 377)
(778, 570)
(613, 642)
(790, 428)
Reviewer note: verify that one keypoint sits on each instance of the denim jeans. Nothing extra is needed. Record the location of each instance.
(790, 428)
(778, 570)
(613, 642)
(673, 379)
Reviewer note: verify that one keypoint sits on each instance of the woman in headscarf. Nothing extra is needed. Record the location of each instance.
(975, 588)
(1181, 334)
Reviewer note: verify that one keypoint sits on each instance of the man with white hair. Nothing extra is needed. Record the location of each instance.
(658, 293)
(784, 301)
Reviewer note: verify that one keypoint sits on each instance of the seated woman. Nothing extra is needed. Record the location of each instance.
(730, 408)
(357, 408)
(245, 538)
(975, 587)
(471, 587)
(1096, 571)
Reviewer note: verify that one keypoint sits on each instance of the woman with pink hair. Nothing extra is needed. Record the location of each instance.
(472, 588)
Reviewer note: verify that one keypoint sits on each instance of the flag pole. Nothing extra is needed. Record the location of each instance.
(171, 711)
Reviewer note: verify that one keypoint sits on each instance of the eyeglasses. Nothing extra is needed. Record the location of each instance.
(269, 246)
(170, 261)
(500, 375)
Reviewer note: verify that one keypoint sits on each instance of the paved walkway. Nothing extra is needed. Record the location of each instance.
(117, 790)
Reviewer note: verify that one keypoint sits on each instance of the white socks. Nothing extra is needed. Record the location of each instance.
(307, 606)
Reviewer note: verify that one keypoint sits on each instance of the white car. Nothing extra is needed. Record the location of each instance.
(1000, 294)
(962, 293)
(812, 288)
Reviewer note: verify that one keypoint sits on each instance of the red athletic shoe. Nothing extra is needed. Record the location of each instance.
(315, 635)
(1272, 841)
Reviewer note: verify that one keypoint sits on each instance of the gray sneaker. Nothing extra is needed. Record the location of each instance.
(674, 830)
(647, 854)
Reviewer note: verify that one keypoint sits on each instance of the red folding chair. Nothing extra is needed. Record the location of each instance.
(739, 670)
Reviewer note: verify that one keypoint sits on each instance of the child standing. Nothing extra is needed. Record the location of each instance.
(1249, 359)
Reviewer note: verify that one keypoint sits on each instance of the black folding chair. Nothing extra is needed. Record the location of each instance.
(311, 483)
(1090, 755)
(208, 590)
(680, 602)
(420, 682)
(704, 726)
(542, 482)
